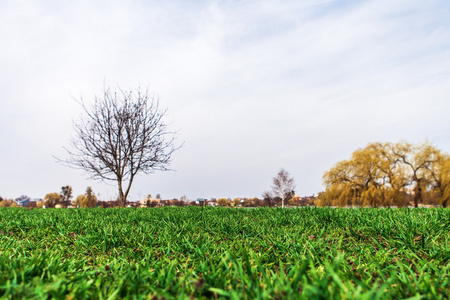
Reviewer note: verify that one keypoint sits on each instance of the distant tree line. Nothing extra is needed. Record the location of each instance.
(88, 200)
(389, 174)
(268, 200)
(7, 203)
(64, 198)
(282, 194)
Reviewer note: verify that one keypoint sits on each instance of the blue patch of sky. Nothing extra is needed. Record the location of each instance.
(265, 28)
(336, 6)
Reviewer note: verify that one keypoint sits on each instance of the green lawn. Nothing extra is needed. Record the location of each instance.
(190, 252)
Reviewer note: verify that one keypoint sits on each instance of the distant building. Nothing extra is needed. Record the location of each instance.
(150, 201)
(200, 201)
(22, 200)
(143, 202)
(212, 202)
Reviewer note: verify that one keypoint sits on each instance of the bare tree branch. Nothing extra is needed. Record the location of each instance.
(283, 185)
(119, 136)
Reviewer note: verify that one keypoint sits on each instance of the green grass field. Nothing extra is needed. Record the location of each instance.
(190, 252)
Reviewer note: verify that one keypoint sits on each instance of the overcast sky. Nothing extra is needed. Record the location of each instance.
(253, 86)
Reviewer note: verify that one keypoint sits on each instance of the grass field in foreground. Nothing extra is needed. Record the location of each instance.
(190, 252)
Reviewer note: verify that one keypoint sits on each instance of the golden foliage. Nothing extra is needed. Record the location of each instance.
(8, 203)
(385, 174)
(51, 199)
(223, 202)
(85, 201)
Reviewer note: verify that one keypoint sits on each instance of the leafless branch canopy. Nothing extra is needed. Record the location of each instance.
(283, 185)
(120, 135)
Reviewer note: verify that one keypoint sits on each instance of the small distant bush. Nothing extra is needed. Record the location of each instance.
(86, 200)
(8, 203)
(223, 202)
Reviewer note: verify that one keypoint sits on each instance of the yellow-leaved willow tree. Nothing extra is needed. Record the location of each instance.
(389, 174)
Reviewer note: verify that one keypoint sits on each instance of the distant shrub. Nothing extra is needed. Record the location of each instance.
(8, 203)
(51, 199)
(223, 202)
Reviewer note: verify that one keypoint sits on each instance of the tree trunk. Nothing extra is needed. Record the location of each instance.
(122, 199)
(417, 195)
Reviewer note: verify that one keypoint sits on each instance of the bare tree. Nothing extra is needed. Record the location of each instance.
(66, 194)
(267, 198)
(120, 135)
(283, 186)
